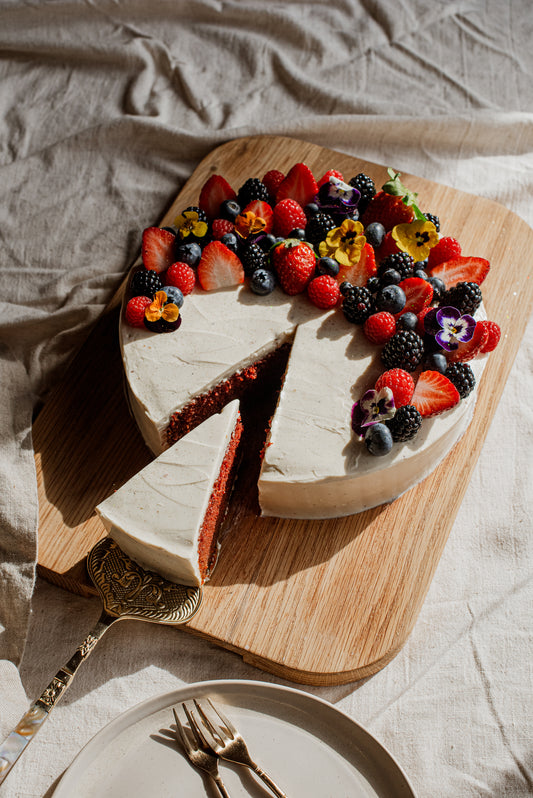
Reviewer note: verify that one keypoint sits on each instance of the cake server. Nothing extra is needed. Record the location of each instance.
(127, 591)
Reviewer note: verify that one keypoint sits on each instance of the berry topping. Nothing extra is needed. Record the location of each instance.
(318, 226)
(252, 189)
(260, 210)
(162, 315)
(434, 393)
(253, 257)
(375, 234)
(401, 384)
(388, 210)
(379, 327)
(219, 267)
(215, 191)
(462, 377)
(323, 291)
(327, 266)
(402, 262)
(405, 423)
(472, 348)
(405, 350)
(493, 337)
(461, 269)
(330, 173)
(157, 248)
(145, 282)
(359, 273)
(418, 294)
(229, 209)
(446, 249)
(135, 308)
(262, 282)
(299, 185)
(294, 262)
(174, 295)
(189, 253)
(357, 304)
(466, 297)
(220, 227)
(390, 298)
(272, 180)
(288, 215)
(182, 276)
(378, 440)
(366, 187)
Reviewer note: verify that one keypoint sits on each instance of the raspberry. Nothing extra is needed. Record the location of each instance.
(380, 327)
(220, 227)
(405, 350)
(404, 424)
(272, 181)
(330, 173)
(135, 310)
(446, 249)
(324, 291)
(288, 215)
(494, 334)
(182, 276)
(401, 384)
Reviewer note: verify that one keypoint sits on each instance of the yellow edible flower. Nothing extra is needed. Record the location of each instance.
(189, 223)
(416, 238)
(344, 243)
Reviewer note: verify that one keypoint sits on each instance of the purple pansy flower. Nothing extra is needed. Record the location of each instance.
(338, 196)
(373, 407)
(454, 329)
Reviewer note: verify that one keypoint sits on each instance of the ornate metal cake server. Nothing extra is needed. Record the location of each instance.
(127, 592)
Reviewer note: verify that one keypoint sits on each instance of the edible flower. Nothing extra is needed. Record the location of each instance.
(454, 328)
(416, 238)
(344, 243)
(374, 407)
(189, 223)
(161, 308)
(248, 224)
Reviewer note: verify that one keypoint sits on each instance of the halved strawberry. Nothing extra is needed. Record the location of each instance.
(359, 273)
(472, 348)
(219, 267)
(264, 211)
(299, 185)
(330, 173)
(461, 270)
(157, 249)
(418, 294)
(215, 191)
(434, 393)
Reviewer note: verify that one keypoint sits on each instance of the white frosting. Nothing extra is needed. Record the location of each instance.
(313, 467)
(156, 517)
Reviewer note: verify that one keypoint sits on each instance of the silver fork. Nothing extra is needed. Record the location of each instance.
(194, 747)
(224, 739)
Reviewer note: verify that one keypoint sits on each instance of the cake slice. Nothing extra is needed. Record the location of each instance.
(167, 517)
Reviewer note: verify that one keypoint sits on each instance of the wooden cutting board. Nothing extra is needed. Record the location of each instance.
(316, 602)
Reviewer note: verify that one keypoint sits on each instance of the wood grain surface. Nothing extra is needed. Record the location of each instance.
(316, 602)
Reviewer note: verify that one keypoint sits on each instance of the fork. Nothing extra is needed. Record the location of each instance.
(223, 738)
(194, 748)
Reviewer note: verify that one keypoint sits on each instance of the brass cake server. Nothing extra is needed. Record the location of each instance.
(127, 592)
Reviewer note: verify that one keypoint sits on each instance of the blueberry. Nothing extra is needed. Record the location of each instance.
(390, 277)
(391, 298)
(420, 273)
(378, 439)
(266, 241)
(189, 253)
(435, 361)
(438, 287)
(262, 282)
(327, 266)
(420, 264)
(231, 241)
(373, 284)
(375, 233)
(298, 232)
(311, 209)
(229, 209)
(407, 321)
(174, 295)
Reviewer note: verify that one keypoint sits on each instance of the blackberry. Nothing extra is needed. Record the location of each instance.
(162, 326)
(357, 303)
(404, 350)
(318, 226)
(404, 424)
(367, 188)
(435, 219)
(466, 297)
(145, 282)
(462, 377)
(253, 189)
(253, 257)
(202, 216)
(400, 261)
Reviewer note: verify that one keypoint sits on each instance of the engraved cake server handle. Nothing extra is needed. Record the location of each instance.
(127, 592)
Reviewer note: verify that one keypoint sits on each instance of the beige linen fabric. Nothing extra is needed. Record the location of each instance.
(105, 109)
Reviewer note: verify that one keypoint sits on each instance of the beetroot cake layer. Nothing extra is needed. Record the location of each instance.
(218, 505)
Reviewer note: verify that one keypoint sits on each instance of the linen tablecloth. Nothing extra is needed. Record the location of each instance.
(106, 108)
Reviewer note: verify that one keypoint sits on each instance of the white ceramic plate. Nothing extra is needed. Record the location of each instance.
(310, 749)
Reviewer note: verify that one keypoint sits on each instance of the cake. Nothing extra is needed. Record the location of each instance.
(168, 516)
(385, 347)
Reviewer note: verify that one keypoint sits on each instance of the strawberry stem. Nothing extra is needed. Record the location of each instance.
(395, 187)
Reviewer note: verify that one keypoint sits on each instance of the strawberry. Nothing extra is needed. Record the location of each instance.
(288, 215)
(359, 273)
(262, 210)
(401, 384)
(446, 249)
(299, 185)
(387, 209)
(219, 228)
(470, 349)
(272, 180)
(388, 247)
(330, 173)
(182, 276)
(434, 393)
(215, 191)
(493, 337)
(324, 292)
(380, 327)
(219, 267)
(135, 308)
(461, 270)
(418, 294)
(294, 262)
(420, 328)
(157, 248)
